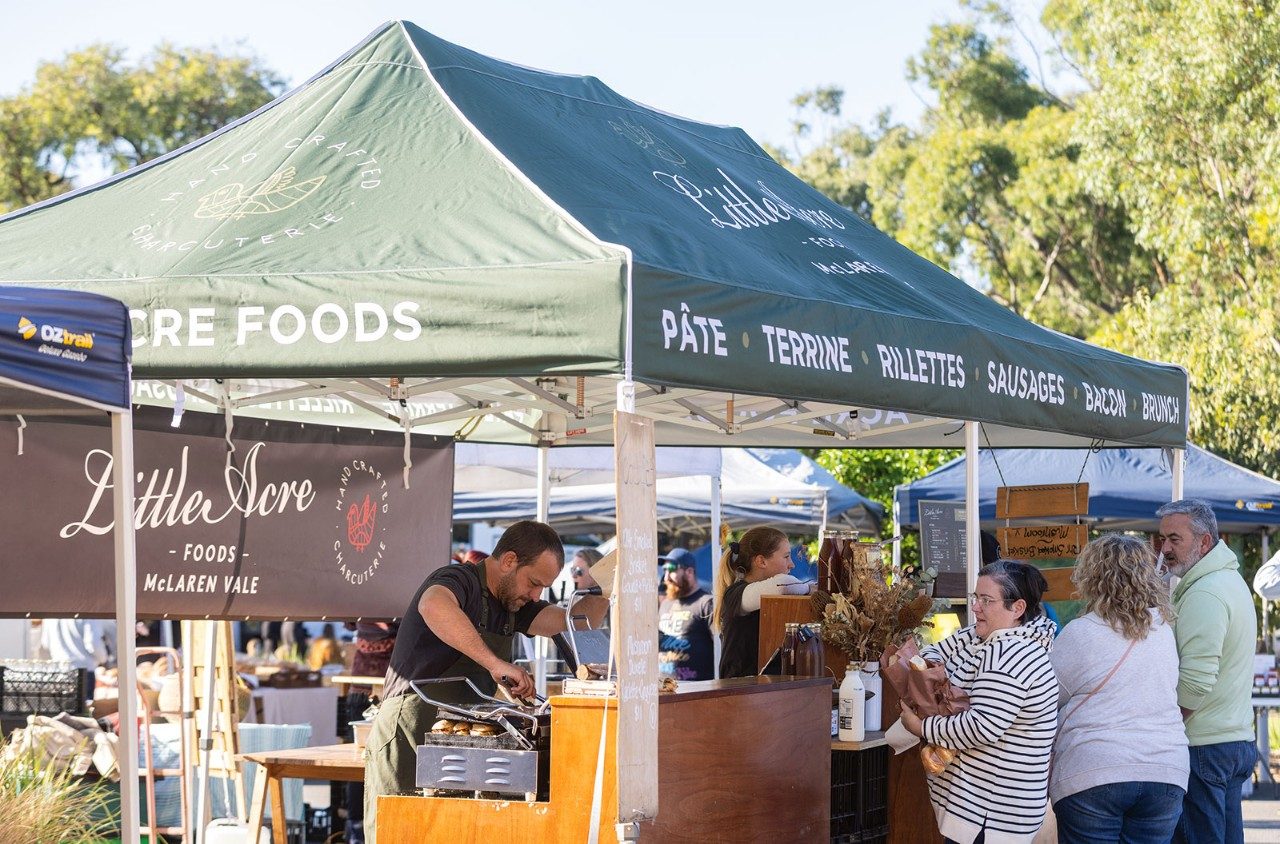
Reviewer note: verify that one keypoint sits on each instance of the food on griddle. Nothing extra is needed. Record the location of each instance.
(444, 725)
(461, 727)
(482, 730)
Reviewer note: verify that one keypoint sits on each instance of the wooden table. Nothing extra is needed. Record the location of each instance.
(341, 762)
(344, 682)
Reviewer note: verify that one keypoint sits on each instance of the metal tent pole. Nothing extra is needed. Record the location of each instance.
(541, 645)
(972, 526)
(716, 575)
(126, 620)
(1179, 465)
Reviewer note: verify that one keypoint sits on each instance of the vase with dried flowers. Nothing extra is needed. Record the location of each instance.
(872, 611)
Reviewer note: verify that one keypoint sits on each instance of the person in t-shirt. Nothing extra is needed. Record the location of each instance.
(458, 622)
(685, 647)
(758, 564)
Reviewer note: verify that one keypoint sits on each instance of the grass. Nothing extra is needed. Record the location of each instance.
(40, 804)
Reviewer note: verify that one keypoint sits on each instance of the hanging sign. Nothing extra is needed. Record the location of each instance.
(297, 522)
(1042, 541)
(1022, 502)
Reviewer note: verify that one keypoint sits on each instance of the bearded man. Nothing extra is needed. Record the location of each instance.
(459, 624)
(1215, 631)
(686, 650)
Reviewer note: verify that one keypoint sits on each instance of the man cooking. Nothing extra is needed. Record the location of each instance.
(459, 624)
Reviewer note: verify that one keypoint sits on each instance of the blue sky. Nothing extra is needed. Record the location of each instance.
(720, 62)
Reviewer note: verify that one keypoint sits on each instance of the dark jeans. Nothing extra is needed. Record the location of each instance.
(1211, 811)
(1125, 812)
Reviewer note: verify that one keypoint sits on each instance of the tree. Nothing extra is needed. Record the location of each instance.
(95, 102)
(989, 186)
(1182, 124)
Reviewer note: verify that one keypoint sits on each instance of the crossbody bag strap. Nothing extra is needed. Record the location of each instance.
(1098, 688)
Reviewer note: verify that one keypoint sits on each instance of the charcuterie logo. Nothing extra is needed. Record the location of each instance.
(314, 181)
(360, 544)
(276, 193)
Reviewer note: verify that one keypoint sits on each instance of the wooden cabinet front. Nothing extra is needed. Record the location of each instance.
(747, 759)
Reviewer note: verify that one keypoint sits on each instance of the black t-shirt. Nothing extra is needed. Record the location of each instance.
(740, 649)
(419, 654)
(685, 649)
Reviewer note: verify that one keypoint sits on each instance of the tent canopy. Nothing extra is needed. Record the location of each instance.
(769, 486)
(62, 351)
(510, 243)
(1126, 485)
(485, 467)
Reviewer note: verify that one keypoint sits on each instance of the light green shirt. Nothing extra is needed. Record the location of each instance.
(1216, 630)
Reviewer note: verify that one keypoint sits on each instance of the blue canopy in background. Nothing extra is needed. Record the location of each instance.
(61, 348)
(1126, 485)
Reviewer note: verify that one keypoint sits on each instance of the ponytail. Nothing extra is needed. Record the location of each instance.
(729, 572)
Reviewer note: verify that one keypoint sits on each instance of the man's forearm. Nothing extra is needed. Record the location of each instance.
(445, 619)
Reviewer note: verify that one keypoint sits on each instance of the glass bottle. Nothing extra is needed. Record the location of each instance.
(810, 659)
(790, 638)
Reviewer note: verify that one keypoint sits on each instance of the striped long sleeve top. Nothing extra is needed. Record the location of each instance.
(998, 780)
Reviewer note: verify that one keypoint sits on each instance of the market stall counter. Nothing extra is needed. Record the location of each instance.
(738, 760)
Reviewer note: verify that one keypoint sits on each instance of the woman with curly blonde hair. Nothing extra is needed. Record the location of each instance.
(1120, 763)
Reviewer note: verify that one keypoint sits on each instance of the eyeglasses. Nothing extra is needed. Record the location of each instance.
(577, 571)
(985, 600)
(669, 566)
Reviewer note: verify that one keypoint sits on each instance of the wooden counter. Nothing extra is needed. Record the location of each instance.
(746, 759)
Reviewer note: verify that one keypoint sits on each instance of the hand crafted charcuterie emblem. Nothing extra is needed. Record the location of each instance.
(275, 193)
(360, 521)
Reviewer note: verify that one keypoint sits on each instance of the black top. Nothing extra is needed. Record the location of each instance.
(419, 654)
(685, 649)
(740, 651)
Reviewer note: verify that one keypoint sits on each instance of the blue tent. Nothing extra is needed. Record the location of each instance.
(1126, 485)
(60, 350)
(64, 352)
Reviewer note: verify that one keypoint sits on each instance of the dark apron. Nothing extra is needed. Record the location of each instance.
(402, 721)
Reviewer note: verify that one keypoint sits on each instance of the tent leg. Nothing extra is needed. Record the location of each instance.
(1267, 645)
(541, 644)
(126, 620)
(972, 525)
(716, 574)
(897, 531)
(1179, 465)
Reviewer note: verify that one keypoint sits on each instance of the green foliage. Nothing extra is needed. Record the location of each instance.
(1182, 125)
(95, 102)
(1143, 213)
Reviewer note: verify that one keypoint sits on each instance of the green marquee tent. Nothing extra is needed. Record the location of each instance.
(509, 244)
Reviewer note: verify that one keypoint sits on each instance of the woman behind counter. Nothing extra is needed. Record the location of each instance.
(757, 564)
(1120, 765)
(995, 790)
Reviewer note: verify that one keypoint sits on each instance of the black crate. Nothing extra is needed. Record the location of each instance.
(37, 690)
(859, 795)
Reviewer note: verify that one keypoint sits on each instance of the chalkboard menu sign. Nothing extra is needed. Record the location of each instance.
(942, 546)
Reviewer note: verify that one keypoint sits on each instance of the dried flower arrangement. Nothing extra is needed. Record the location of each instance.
(875, 611)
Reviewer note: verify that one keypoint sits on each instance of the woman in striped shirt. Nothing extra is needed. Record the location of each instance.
(995, 790)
